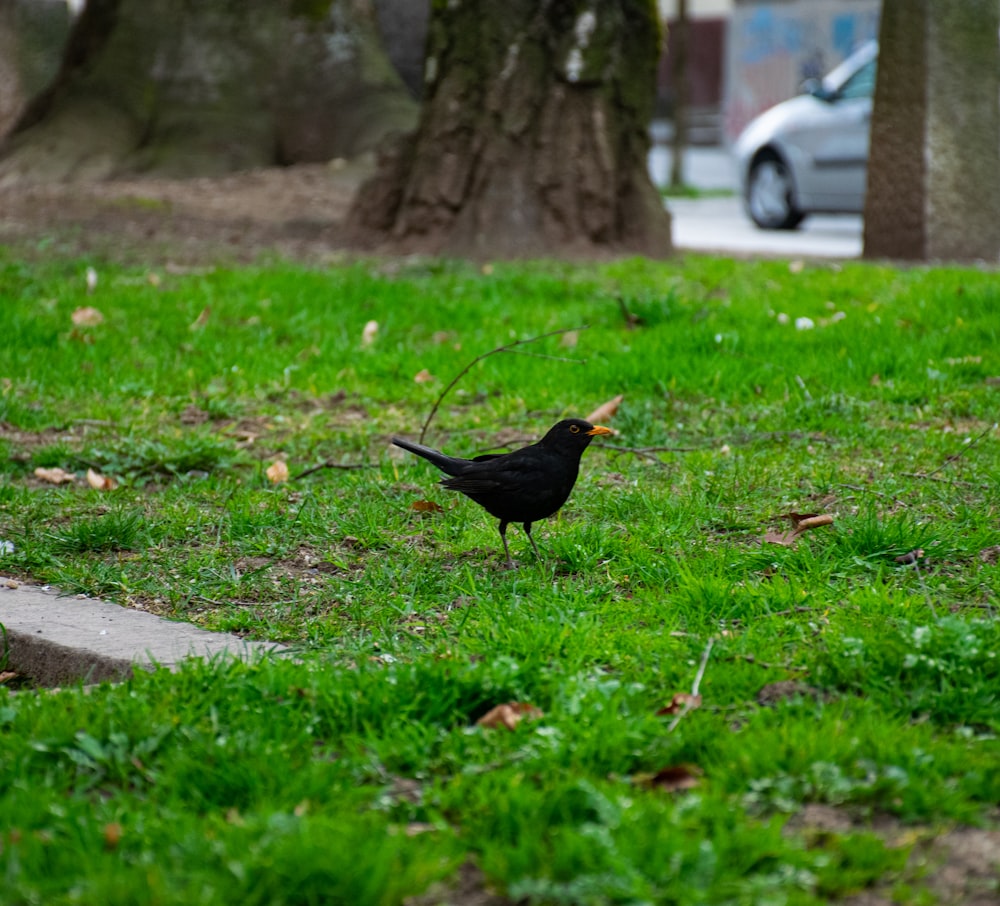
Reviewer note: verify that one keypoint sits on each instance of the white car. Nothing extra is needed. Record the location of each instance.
(810, 154)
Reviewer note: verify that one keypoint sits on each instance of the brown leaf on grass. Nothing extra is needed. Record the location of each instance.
(202, 319)
(606, 411)
(672, 779)
(990, 554)
(423, 376)
(100, 482)
(785, 539)
(680, 702)
(112, 835)
(277, 472)
(6, 676)
(55, 475)
(426, 506)
(804, 523)
(508, 715)
(801, 523)
(569, 339)
(910, 558)
(87, 316)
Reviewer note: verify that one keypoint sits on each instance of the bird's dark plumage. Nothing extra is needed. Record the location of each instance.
(524, 486)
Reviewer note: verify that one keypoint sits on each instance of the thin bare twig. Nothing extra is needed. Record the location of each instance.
(507, 348)
(694, 686)
(333, 465)
(785, 613)
(957, 456)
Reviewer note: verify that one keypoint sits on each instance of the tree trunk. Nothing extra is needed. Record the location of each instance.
(533, 136)
(32, 36)
(175, 88)
(934, 165)
(679, 78)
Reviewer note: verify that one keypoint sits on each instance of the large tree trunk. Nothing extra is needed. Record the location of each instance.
(32, 36)
(175, 88)
(532, 139)
(934, 166)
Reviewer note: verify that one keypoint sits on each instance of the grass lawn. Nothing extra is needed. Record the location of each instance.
(850, 686)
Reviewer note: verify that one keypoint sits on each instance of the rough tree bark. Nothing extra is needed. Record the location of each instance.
(679, 79)
(32, 35)
(934, 165)
(177, 88)
(532, 139)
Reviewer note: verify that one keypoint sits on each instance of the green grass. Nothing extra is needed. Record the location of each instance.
(354, 772)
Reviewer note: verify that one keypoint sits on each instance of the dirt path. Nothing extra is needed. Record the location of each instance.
(295, 212)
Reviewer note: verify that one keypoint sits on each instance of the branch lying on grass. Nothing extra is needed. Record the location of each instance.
(647, 452)
(694, 686)
(509, 347)
(767, 665)
(333, 465)
(955, 456)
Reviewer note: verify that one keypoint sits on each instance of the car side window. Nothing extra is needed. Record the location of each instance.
(859, 85)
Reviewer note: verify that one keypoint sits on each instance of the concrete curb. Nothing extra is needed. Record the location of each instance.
(57, 639)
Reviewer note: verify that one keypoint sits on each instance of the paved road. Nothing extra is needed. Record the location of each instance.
(719, 224)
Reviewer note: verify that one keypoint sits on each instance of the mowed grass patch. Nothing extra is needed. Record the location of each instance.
(852, 669)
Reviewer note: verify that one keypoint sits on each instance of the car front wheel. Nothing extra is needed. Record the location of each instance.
(769, 195)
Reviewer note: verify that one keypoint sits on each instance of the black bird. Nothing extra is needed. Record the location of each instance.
(524, 486)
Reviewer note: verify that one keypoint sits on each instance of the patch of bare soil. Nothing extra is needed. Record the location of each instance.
(960, 867)
(293, 212)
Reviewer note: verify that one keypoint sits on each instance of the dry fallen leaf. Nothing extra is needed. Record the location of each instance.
(6, 676)
(112, 835)
(202, 319)
(55, 475)
(426, 506)
(673, 779)
(423, 376)
(508, 715)
(88, 316)
(570, 339)
(277, 472)
(100, 482)
(910, 558)
(606, 411)
(804, 523)
(680, 702)
(801, 522)
(368, 333)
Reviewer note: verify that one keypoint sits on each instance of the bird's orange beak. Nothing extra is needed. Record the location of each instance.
(597, 430)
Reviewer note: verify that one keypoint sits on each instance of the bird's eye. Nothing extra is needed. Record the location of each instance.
(574, 429)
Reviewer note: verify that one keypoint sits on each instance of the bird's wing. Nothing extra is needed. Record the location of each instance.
(473, 484)
(508, 472)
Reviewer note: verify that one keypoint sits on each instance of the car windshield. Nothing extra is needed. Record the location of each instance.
(861, 84)
(836, 81)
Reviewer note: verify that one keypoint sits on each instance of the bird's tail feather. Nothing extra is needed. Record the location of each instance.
(448, 464)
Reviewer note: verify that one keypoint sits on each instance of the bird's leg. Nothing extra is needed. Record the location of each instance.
(503, 538)
(527, 531)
